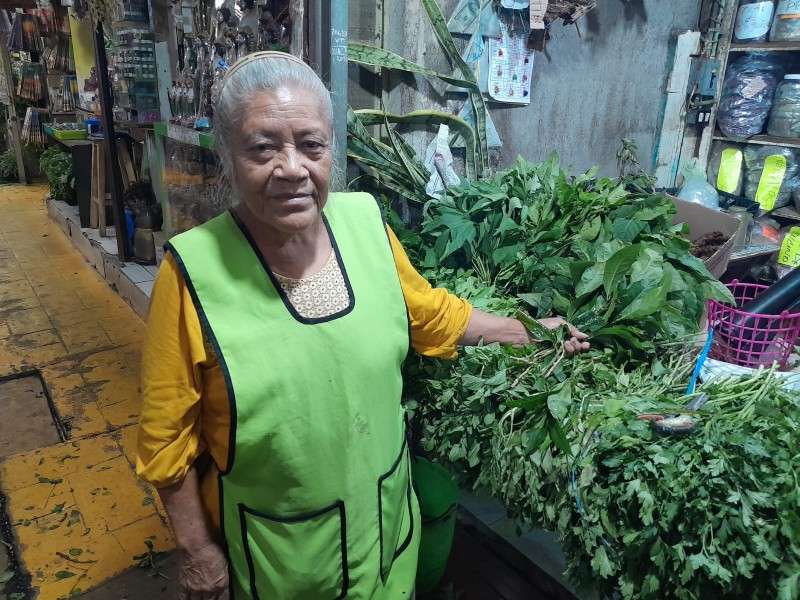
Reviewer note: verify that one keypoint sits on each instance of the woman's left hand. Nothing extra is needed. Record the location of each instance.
(576, 343)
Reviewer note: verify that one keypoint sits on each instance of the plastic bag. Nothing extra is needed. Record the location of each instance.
(747, 94)
(696, 188)
(754, 159)
(714, 162)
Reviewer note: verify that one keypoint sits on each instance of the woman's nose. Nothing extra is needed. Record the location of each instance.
(290, 164)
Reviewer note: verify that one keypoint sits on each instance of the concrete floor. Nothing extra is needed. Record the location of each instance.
(78, 514)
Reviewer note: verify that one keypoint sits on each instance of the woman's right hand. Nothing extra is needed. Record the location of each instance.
(203, 573)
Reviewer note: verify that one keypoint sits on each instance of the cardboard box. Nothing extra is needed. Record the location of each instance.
(702, 220)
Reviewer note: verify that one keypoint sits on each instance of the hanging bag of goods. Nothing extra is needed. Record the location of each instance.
(770, 175)
(747, 93)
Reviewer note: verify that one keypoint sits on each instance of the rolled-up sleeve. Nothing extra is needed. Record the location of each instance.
(438, 318)
(169, 438)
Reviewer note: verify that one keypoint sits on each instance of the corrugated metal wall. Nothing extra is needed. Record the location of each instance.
(588, 92)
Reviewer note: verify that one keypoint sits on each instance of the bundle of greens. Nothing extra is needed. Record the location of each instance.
(533, 428)
(56, 165)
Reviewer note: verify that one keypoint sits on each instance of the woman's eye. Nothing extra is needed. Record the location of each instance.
(314, 145)
(262, 147)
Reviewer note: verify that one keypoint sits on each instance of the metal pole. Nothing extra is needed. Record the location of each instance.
(13, 120)
(333, 33)
(110, 142)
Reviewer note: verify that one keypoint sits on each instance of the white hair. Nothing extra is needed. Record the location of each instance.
(267, 74)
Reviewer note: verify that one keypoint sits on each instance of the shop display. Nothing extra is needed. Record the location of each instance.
(784, 117)
(753, 21)
(32, 83)
(789, 255)
(217, 43)
(786, 23)
(746, 96)
(133, 72)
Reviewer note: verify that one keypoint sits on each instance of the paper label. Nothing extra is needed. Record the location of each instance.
(753, 20)
(730, 168)
(183, 134)
(771, 181)
(789, 255)
(538, 8)
(754, 87)
(510, 68)
(788, 9)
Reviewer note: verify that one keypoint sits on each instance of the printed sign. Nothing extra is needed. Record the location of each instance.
(510, 68)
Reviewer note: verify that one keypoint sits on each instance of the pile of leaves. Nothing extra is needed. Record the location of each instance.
(542, 432)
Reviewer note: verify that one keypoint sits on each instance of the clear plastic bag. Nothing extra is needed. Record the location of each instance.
(696, 188)
(747, 94)
(784, 117)
(754, 159)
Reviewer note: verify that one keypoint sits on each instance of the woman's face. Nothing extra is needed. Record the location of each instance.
(282, 159)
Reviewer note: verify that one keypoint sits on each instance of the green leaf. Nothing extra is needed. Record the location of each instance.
(591, 279)
(559, 403)
(600, 563)
(648, 303)
(64, 574)
(619, 265)
(627, 230)
(6, 576)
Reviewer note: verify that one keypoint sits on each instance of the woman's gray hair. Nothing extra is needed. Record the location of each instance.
(262, 73)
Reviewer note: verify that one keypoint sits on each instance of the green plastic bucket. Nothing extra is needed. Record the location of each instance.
(438, 504)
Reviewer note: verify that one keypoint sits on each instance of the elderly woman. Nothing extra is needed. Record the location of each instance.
(272, 424)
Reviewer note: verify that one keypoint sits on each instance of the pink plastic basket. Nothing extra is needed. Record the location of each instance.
(764, 339)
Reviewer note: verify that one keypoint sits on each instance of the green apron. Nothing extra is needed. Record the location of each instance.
(316, 498)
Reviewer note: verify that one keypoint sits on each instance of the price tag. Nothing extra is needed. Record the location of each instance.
(771, 181)
(789, 255)
(730, 168)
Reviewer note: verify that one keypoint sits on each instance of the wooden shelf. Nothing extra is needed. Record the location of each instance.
(767, 47)
(787, 213)
(754, 252)
(763, 140)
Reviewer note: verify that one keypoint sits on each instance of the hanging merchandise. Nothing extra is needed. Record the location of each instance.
(784, 117)
(726, 167)
(696, 188)
(32, 83)
(746, 96)
(510, 67)
(770, 175)
(24, 36)
(32, 131)
(786, 24)
(753, 21)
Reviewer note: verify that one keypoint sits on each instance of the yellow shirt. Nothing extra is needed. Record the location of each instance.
(185, 409)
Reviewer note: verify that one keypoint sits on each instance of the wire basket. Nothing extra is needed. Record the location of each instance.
(749, 339)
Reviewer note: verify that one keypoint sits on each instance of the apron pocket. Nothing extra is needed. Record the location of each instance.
(297, 558)
(396, 518)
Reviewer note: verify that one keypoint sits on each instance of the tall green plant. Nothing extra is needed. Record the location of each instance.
(395, 165)
(8, 166)
(56, 166)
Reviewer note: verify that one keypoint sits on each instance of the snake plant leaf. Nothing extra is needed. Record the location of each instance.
(378, 57)
(392, 176)
(416, 171)
(457, 125)
(454, 56)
